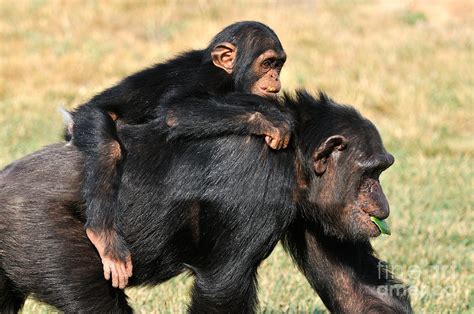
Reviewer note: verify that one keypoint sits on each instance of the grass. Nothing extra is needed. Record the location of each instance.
(408, 66)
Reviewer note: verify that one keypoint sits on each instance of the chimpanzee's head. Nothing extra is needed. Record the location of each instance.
(343, 157)
(252, 54)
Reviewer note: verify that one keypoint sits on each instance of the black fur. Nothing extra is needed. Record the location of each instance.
(347, 276)
(215, 207)
(189, 82)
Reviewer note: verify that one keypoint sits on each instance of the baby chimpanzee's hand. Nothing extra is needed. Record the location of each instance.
(276, 129)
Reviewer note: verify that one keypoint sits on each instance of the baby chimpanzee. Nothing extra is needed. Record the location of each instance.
(198, 86)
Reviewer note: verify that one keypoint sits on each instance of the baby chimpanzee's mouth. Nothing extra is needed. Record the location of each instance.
(381, 224)
(269, 95)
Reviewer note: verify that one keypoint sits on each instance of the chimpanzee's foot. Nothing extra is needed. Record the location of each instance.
(116, 268)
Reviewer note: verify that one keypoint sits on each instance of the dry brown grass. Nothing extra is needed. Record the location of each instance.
(406, 65)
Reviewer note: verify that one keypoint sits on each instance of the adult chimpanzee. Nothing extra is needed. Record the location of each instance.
(245, 57)
(215, 207)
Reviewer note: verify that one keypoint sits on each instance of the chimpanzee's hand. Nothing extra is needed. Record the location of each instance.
(276, 128)
(266, 118)
(119, 269)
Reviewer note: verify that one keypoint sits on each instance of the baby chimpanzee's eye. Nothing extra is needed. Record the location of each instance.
(267, 64)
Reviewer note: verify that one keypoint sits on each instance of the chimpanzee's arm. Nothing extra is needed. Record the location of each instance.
(347, 276)
(235, 113)
(199, 117)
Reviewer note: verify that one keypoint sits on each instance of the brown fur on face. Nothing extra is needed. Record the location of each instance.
(346, 188)
(267, 68)
(371, 201)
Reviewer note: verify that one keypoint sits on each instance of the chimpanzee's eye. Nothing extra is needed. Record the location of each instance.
(267, 63)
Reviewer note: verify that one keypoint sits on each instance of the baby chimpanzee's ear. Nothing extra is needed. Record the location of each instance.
(223, 56)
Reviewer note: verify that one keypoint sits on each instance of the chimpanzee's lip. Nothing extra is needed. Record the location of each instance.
(270, 90)
(381, 225)
(372, 230)
(264, 93)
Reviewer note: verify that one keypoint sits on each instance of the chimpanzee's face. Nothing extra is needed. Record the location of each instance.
(252, 71)
(345, 187)
(266, 69)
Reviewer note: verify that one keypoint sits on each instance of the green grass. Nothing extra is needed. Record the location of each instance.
(408, 66)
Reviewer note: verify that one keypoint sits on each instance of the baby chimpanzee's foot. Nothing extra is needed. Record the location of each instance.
(119, 269)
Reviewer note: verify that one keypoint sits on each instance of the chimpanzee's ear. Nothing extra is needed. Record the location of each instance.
(324, 151)
(223, 56)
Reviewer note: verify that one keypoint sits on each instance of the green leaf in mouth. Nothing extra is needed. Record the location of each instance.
(382, 225)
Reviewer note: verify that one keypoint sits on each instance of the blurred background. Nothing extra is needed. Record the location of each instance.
(407, 65)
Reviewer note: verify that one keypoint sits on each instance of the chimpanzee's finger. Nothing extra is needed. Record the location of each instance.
(279, 142)
(129, 266)
(268, 140)
(121, 276)
(125, 276)
(115, 279)
(274, 143)
(106, 268)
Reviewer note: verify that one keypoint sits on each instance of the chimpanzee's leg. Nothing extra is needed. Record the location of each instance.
(73, 277)
(10, 301)
(232, 250)
(229, 288)
(94, 134)
(50, 257)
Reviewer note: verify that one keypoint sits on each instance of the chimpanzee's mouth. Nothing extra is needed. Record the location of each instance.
(381, 225)
(269, 92)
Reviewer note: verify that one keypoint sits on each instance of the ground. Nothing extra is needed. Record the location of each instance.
(408, 66)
